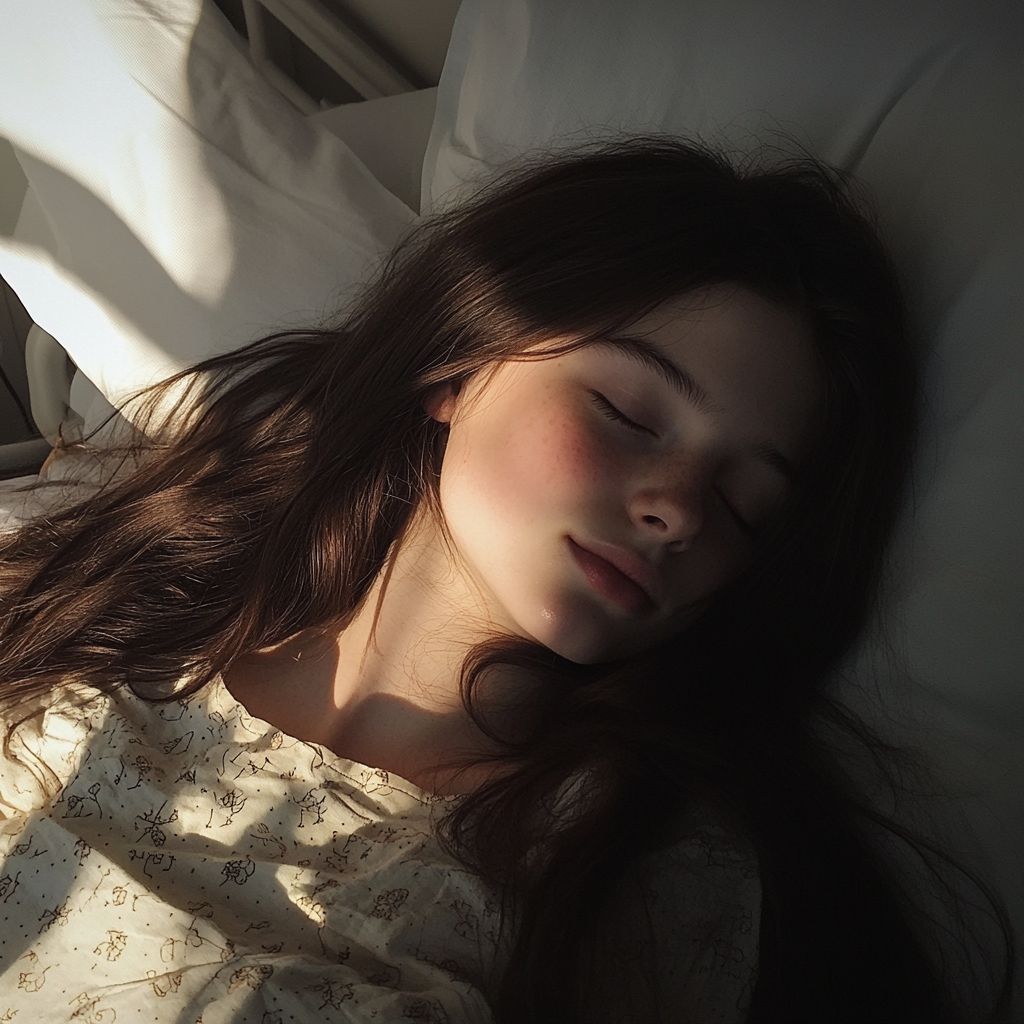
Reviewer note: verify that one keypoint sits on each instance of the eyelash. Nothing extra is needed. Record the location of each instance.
(614, 414)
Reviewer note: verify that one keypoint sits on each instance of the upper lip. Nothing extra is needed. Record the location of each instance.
(638, 569)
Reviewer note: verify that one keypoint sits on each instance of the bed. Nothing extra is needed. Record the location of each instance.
(179, 205)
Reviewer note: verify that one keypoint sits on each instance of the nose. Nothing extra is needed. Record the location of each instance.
(674, 509)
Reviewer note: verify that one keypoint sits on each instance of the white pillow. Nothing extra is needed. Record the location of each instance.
(522, 75)
(389, 134)
(923, 99)
(192, 208)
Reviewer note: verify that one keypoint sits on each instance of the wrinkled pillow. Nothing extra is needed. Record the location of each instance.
(192, 208)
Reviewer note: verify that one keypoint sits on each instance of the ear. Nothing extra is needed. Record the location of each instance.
(439, 403)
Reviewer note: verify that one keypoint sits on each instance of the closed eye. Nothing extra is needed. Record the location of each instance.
(614, 414)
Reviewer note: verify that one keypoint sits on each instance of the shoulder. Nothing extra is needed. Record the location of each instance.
(684, 944)
(710, 853)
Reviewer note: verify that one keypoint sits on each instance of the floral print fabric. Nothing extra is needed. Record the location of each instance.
(197, 865)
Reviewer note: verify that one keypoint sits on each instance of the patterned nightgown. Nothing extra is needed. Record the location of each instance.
(198, 865)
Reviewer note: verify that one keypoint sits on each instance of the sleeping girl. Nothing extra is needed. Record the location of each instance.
(462, 660)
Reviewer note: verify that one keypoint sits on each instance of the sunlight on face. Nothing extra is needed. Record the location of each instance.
(555, 469)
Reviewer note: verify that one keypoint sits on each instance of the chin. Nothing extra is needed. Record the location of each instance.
(584, 641)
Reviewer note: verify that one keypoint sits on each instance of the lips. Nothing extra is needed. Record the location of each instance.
(618, 574)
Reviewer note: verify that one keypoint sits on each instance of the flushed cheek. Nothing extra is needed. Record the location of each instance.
(550, 463)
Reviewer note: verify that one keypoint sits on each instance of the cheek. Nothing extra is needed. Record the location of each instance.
(716, 558)
(523, 465)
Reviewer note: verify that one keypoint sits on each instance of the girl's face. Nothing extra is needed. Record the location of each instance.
(556, 468)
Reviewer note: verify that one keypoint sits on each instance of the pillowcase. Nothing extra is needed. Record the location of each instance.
(192, 208)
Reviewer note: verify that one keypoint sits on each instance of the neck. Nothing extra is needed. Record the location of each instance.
(385, 691)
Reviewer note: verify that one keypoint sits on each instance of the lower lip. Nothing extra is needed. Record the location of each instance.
(607, 580)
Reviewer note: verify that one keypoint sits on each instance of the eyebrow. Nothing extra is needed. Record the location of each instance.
(682, 382)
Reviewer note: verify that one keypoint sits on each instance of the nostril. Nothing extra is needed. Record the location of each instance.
(688, 523)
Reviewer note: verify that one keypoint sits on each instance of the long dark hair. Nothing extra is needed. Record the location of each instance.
(269, 507)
